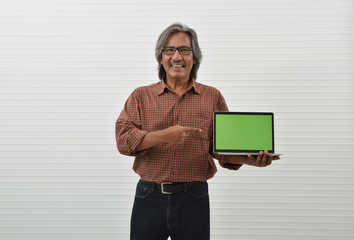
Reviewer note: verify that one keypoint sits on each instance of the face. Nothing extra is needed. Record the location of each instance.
(178, 67)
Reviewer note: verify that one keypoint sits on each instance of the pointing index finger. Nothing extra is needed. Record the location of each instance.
(192, 129)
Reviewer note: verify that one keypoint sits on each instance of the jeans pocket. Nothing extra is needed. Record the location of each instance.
(142, 191)
(201, 191)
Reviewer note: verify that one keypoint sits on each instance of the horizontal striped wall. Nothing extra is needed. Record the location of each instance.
(67, 67)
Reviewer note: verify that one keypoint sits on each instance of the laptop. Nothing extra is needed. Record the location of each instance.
(243, 133)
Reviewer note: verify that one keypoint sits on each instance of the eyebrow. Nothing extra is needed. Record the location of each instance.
(177, 47)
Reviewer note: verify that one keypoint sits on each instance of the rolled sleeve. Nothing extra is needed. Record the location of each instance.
(223, 161)
(128, 140)
(128, 127)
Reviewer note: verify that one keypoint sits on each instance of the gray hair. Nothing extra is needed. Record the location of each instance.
(197, 53)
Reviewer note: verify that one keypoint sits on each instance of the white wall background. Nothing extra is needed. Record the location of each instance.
(67, 67)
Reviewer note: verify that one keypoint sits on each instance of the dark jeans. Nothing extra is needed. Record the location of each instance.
(182, 216)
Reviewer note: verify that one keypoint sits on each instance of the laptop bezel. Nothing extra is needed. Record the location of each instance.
(221, 151)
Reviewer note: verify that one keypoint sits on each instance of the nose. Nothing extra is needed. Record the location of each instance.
(176, 55)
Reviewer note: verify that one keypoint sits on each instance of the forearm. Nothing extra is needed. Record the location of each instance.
(151, 139)
(238, 159)
(172, 135)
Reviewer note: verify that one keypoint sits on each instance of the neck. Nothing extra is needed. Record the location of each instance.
(178, 86)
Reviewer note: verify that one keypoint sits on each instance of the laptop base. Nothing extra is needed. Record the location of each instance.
(245, 153)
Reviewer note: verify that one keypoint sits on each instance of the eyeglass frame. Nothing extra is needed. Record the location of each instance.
(177, 48)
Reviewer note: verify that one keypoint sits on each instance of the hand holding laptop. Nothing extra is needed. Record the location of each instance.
(263, 159)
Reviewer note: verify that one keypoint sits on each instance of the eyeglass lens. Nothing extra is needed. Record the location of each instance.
(181, 50)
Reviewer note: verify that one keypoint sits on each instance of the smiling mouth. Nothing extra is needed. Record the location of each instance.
(175, 66)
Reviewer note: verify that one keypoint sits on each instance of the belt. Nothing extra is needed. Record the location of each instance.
(170, 187)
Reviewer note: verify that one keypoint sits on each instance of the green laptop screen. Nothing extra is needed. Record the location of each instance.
(242, 131)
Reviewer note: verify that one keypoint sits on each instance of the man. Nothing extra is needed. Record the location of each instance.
(167, 126)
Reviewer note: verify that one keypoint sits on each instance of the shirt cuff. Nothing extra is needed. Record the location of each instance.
(136, 137)
(223, 163)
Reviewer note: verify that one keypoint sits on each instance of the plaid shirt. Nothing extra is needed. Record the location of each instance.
(155, 107)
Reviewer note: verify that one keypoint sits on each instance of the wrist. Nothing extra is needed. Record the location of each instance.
(239, 159)
(161, 136)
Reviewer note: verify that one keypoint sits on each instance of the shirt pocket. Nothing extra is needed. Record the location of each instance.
(204, 121)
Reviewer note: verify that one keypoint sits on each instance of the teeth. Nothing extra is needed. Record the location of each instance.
(177, 66)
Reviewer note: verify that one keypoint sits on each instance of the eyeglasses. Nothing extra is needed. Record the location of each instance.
(181, 50)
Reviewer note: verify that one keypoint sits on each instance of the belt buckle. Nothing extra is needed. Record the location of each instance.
(162, 188)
